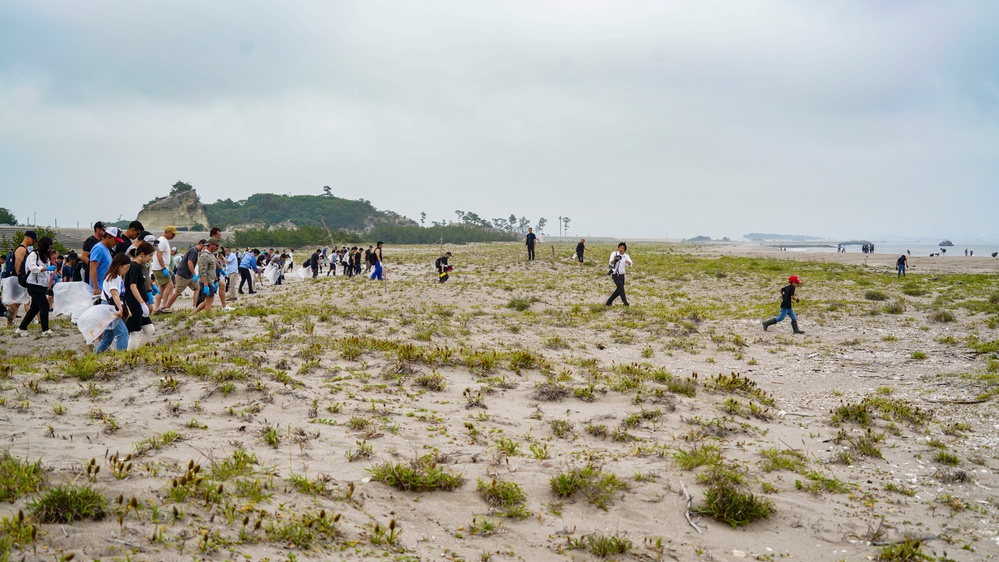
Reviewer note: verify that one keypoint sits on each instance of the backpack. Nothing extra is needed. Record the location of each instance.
(8, 268)
(22, 272)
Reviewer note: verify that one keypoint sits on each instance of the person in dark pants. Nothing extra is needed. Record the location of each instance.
(530, 240)
(39, 271)
(249, 262)
(314, 263)
(580, 249)
(443, 269)
(617, 263)
(787, 298)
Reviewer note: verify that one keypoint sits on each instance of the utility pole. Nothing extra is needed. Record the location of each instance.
(560, 225)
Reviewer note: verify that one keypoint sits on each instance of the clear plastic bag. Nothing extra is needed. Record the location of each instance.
(72, 298)
(95, 320)
(272, 272)
(14, 293)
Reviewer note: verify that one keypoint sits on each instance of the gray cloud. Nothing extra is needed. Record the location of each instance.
(650, 119)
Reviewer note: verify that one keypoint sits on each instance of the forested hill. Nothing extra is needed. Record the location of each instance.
(267, 209)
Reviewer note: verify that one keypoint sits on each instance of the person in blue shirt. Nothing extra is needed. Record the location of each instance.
(100, 259)
(248, 263)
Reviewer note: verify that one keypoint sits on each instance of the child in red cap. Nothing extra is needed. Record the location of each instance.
(787, 296)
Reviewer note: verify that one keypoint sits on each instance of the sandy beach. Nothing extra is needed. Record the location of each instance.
(302, 407)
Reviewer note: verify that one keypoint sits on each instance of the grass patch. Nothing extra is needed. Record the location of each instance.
(19, 478)
(68, 503)
(419, 475)
(596, 485)
(506, 497)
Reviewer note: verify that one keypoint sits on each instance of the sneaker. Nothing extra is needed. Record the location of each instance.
(228, 308)
(253, 292)
(22, 333)
(48, 333)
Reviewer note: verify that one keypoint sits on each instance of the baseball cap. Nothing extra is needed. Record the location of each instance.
(31, 234)
(171, 229)
(213, 241)
(72, 256)
(150, 238)
(113, 231)
(793, 279)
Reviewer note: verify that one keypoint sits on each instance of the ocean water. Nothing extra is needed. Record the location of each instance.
(917, 249)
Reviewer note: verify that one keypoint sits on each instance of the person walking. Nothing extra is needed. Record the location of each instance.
(900, 265)
(100, 259)
(618, 260)
(39, 269)
(231, 272)
(208, 275)
(787, 297)
(314, 263)
(111, 293)
(580, 249)
(376, 257)
(136, 297)
(161, 269)
(530, 240)
(14, 267)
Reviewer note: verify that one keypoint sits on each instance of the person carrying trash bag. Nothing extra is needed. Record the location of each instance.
(442, 267)
(787, 297)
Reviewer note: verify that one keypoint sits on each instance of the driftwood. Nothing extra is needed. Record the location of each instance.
(973, 401)
(126, 543)
(687, 512)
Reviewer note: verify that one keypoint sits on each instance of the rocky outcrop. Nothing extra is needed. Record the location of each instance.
(183, 209)
(946, 243)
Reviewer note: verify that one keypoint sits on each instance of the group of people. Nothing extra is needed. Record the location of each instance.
(349, 259)
(141, 275)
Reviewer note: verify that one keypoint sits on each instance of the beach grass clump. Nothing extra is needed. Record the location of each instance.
(596, 485)
(17, 531)
(550, 391)
(433, 381)
(19, 477)
(520, 304)
(306, 530)
(420, 475)
(876, 296)
(727, 501)
(946, 458)
(895, 307)
(735, 383)
(909, 550)
(505, 497)
(603, 546)
(68, 503)
(562, 428)
(787, 459)
(942, 316)
(698, 455)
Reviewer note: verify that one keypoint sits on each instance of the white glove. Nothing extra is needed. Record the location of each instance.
(145, 310)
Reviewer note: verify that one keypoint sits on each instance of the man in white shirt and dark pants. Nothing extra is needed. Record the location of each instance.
(618, 260)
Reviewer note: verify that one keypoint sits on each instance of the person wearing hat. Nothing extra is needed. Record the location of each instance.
(100, 258)
(88, 245)
(72, 269)
(207, 266)
(161, 269)
(787, 297)
(20, 254)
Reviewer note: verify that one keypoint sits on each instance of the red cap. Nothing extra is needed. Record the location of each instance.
(793, 279)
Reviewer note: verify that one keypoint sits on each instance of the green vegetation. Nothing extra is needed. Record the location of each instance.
(596, 485)
(420, 475)
(19, 478)
(68, 503)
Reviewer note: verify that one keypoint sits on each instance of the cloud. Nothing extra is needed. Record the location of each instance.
(647, 119)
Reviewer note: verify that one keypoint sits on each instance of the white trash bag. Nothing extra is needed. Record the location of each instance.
(14, 293)
(272, 273)
(95, 320)
(305, 272)
(71, 298)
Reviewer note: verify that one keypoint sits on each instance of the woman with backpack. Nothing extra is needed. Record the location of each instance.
(39, 273)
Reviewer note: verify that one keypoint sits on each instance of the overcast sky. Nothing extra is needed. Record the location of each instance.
(636, 119)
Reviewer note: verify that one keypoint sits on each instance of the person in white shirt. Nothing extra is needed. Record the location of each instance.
(112, 293)
(162, 268)
(618, 261)
(39, 270)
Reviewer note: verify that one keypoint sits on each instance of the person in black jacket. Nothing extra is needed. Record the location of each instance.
(442, 267)
(787, 297)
